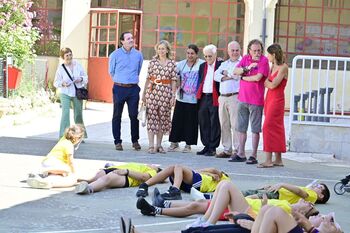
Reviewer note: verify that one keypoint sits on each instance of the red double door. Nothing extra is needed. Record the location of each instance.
(105, 29)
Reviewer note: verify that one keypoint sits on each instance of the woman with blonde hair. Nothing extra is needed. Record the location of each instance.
(57, 168)
(159, 95)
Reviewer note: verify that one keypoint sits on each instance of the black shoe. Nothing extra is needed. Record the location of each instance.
(210, 153)
(251, 160)
(136, 146)
(345, 181)
(202, 152)
(172, 194)
(143, 190)
(236, 158)
(145, 207)
(157, 199)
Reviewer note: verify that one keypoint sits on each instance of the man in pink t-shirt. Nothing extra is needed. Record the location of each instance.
(254, 69)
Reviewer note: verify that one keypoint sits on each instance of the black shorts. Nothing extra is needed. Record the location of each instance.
(221, 228)
(196, 182)
(108, 170)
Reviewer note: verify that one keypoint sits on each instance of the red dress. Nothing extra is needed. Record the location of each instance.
(273, 128)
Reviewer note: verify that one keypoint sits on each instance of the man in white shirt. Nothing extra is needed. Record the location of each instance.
(229, 88)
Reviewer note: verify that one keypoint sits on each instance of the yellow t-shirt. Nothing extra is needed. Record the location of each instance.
(255, 204)
(292, 198)
(62, 151)
(208, 184)
(137, 167)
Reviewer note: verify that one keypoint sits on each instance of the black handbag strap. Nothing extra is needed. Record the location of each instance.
(64, 67)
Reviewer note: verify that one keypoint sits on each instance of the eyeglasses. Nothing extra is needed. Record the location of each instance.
(235, 50)
(208, 56)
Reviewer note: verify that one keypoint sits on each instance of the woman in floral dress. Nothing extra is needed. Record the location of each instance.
(159, 95)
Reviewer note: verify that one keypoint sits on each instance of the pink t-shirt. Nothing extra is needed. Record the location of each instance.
(253, 92)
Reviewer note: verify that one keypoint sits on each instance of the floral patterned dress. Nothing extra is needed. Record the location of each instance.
(158, 97)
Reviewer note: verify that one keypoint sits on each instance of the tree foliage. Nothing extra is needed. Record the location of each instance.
(17, 34)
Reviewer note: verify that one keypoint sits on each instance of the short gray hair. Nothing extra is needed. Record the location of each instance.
(212, 48)
(234, 43)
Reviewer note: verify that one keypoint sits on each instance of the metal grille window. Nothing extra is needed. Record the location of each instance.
(48, 17)
(313, 27)
(182, 22)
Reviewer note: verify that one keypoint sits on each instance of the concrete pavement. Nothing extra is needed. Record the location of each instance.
(23, 209)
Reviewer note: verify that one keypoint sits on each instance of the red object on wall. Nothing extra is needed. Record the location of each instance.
(14, 77)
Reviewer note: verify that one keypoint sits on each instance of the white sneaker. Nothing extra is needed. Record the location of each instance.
(39, 183)
(187, 149)
(198, 222)
(196, 195)
(83, 188)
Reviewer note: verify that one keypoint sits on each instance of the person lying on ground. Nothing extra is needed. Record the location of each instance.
(121, 176)
(184, 178)
(273, 219)
(231, 200)
(318, 193)
(57, 169)
(243, 224)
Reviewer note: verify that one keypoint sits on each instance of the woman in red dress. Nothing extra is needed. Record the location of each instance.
(273, 128)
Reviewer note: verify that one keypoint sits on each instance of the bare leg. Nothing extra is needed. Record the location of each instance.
(58, 181)
(161, 176)
(198, 207)
(111, 180)
(182, 173)
(228, 195)
(98, 175)
(159, 139)
(278, 158)
(150, 139)
(255, 143)
(259, 219)
(268, 160)
(276, 220)
(242, 141)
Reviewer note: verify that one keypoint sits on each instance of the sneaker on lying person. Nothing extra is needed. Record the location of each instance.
(83, 188)
(157, 199)
(145, 207)
(39, 183)
(143, 190)
(173, 193)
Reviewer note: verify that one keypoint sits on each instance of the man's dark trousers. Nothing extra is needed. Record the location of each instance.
(131, 96)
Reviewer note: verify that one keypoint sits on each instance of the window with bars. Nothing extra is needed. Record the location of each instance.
(48, 17)
(182, 22)
(313, 27)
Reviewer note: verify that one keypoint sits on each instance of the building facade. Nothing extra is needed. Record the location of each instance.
(92, 28)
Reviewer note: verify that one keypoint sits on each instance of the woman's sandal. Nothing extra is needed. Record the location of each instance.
(264, 165)
(161, 150)
(151, 150)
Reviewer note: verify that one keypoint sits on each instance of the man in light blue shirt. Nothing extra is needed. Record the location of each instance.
(124, 67)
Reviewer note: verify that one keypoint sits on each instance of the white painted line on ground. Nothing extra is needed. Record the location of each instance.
(116, 228)
(284, 177)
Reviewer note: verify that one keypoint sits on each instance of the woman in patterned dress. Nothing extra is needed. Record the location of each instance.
(159, 95)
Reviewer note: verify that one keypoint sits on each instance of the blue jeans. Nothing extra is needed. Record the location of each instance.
(130, 95)
(77, 109)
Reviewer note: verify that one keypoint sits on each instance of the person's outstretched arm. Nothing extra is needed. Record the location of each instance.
(292, 188)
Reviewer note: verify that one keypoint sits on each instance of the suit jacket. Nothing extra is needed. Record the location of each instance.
(201, 77)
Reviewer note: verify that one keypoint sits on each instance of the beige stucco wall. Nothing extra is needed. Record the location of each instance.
(75, 28)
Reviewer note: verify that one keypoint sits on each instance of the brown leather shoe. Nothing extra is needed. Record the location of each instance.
(223, 155)
(136, 146)
(118, 146)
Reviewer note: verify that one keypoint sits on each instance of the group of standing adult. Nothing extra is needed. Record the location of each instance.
(221, 97)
